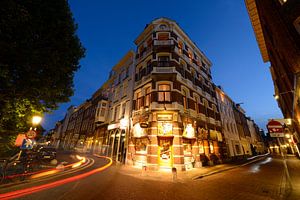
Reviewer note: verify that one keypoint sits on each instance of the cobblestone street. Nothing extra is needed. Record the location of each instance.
(261, 180)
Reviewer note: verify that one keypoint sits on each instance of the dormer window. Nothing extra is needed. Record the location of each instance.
(162, 27)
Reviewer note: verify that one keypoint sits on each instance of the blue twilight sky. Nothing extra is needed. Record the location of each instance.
(220, 28)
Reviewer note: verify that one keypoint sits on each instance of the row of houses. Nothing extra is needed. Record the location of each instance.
(160, 108)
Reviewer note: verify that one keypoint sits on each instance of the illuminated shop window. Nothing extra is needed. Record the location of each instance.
(201, 147)
(141, 145)
(211, 147)
(187, 147)
(189, 131)
(164, 128)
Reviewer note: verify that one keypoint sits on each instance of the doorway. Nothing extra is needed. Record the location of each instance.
(165, 152)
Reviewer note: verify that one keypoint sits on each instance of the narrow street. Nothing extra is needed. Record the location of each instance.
(259, 180)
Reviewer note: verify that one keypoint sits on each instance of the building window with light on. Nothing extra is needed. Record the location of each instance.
(180, 47)
(148, 96)
(139, 100)
(201, 147)
(164, 93)
(184, 99)
(211, 147)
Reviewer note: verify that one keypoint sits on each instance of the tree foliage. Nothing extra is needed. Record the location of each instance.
(39, 54)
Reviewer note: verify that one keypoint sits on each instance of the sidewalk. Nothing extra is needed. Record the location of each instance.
(182, 176)
(293, 164)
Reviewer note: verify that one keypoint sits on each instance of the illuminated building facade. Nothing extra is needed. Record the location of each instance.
(113, 114)
(276, 25)
(175, 117)
(229, 127)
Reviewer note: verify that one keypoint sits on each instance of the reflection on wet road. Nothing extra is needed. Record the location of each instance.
(256, 167)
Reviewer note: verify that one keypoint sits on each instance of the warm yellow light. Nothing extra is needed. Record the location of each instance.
(36, 120)
(276, 97)
(289, 121)
(287, 135)
(290, 140)
(123, 123)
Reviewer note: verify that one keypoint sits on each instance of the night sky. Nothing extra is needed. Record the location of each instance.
(220, 28)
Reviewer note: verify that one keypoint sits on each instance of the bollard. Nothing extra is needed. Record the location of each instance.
(174, 173)
(144, 169)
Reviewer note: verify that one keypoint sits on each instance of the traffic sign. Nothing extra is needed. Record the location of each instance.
(275, 128)
(27, 144)
(30, 134)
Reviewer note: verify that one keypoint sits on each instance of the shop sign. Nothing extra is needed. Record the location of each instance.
(112, 126)
(144, 125)
(164, 117)
(165, 129)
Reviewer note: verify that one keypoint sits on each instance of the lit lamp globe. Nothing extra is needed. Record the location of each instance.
(36, 120)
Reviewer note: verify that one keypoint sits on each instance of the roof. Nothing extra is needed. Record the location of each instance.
(256, 24)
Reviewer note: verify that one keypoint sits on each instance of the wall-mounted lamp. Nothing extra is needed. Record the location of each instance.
(276, 96)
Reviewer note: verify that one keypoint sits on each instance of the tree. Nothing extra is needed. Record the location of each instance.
(39, 54)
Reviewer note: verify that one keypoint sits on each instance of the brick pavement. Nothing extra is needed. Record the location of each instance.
(293, 164)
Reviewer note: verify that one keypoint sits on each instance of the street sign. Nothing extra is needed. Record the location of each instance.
(275, 128)
(27, 144)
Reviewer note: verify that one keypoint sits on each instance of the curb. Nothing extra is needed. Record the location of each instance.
(229, 168)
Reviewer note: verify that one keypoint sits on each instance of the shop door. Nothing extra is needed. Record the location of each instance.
(165, 152)
(122, 150)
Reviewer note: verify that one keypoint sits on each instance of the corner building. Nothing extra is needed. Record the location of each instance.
(175, 119)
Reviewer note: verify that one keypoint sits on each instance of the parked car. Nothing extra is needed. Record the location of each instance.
(46, 153)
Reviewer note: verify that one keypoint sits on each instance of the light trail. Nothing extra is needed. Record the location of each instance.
(27, 191)
(49, 171)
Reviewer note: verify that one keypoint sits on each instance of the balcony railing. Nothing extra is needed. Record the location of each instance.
(143, 54)
(164, 70)
(163, 42)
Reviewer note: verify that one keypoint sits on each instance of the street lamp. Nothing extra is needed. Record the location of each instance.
(36, 120)
(276, 96)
